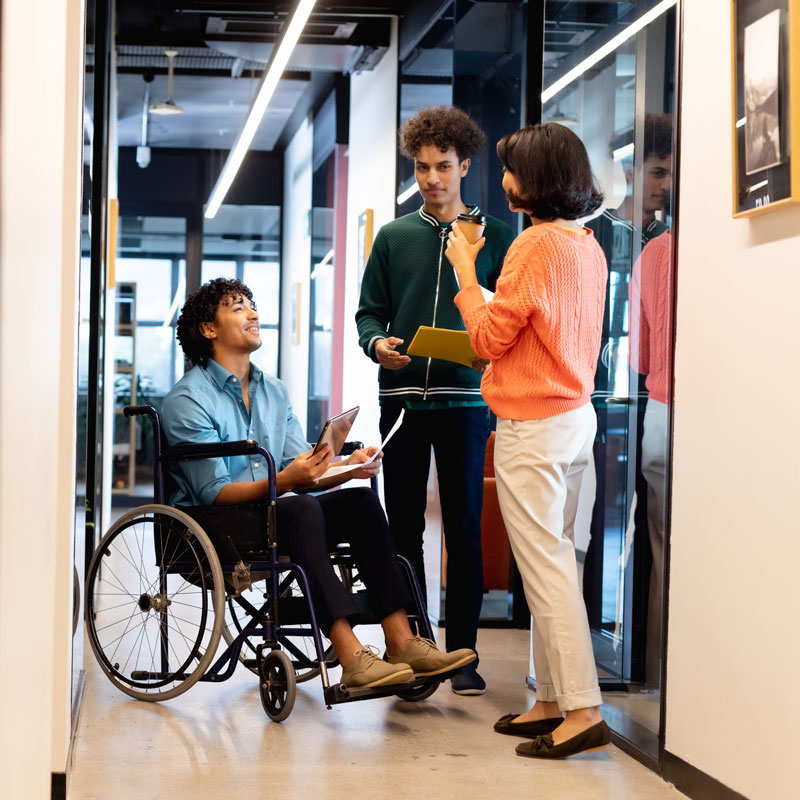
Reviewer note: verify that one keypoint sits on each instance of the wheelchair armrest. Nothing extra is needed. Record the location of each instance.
(348, 448)
(190, 452)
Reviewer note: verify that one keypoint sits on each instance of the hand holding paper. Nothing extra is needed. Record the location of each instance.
(342, 467)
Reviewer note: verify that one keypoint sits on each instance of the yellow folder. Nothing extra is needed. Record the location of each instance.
(442, 343)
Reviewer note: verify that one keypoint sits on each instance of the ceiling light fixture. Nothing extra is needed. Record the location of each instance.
(407, 194)
(170, 107)
(609, 47)
(623, 152)
(275, 67)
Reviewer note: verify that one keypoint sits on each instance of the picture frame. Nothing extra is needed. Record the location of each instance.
(364, 242)
(765, 78)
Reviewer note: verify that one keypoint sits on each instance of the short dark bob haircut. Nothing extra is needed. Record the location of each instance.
(443, 127)
(201, 306)
(552, 168)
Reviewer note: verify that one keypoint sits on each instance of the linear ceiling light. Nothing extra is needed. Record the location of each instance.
(623, 152)
(278, 62)
(608, 48)
(408, 193)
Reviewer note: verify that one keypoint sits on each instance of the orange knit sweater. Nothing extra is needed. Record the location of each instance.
(543, 327)
(650, 294)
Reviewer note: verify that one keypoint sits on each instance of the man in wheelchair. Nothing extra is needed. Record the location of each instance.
(226, 398)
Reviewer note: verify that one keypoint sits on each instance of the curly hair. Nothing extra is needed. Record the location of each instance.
(444, 127)
(552, 168)
(657, 135)
(201, 306)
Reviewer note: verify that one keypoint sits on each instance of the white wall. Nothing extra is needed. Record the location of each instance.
(296, 258)
(370, 184)
(733, 696)
(40, 194)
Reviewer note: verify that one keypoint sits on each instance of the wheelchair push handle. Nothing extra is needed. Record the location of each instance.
(138, 411)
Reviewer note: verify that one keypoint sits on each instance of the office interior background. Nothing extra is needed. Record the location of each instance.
(103, 234)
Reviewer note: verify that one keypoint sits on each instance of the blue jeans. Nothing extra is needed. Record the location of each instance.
(458, 437)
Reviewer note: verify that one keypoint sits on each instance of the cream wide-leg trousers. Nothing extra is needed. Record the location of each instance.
(539, 465)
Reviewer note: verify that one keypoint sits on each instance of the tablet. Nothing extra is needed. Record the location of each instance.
(335, 431)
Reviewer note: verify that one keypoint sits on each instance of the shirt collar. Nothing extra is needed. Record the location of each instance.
(431, 220)
(221, 376)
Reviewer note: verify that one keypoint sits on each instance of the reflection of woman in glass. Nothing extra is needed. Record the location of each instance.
(651, 315)
(542, 333)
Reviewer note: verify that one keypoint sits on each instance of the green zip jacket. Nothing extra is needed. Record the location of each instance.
(409, 282)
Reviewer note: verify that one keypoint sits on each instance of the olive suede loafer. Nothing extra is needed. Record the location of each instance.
(543, 747)
(530, 730)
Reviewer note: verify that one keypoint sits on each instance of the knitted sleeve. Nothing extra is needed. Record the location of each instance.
(639, 324)
(494, 326)
(375, 303)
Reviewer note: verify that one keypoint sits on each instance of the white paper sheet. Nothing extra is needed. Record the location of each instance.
(487, 295)
(338, 469)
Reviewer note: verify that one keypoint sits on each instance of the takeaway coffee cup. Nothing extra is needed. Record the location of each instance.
(471, 225)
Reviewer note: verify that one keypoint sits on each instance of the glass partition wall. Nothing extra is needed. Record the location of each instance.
(621, 106)
(606, 70)
(471, 56)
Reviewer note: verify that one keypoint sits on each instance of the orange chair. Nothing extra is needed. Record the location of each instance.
(497, 563)
(496, 550)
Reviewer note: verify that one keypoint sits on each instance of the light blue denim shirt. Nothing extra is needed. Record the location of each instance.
(206, 405)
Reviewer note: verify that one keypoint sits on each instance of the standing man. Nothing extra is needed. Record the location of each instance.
(408, 283)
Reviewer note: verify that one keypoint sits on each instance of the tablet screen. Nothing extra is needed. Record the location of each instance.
(335, 431)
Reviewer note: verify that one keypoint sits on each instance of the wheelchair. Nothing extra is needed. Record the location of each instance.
(162, 592)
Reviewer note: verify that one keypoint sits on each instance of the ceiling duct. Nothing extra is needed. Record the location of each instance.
(326, 45)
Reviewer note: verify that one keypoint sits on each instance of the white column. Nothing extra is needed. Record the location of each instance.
(40, 184)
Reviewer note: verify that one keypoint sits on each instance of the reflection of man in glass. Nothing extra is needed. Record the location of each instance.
(611, 225)
(621, 242)
(651, 317)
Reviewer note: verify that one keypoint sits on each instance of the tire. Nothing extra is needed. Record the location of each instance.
(416, 694)
(277, 686)
(155, 603)
(76, 599)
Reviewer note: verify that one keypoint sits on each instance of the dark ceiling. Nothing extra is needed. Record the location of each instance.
(222, 50)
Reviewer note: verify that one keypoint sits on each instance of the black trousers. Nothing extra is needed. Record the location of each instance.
(458, 437)
(310, 526)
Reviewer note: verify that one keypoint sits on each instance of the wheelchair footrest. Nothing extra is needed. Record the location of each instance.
(339, 693)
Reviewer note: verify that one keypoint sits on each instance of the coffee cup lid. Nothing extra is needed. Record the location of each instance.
(478, 219)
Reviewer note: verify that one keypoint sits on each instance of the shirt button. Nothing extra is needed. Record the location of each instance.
(234, 380)
(256, 464)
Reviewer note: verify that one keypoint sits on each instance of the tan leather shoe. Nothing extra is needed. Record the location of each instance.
(367, 670)
(426, 659)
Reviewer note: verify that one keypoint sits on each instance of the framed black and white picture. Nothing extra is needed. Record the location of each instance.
(766, 98)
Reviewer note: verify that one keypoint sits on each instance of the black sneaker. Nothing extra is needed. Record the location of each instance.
(467, 681)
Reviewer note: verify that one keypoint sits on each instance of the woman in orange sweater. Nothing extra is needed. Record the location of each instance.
(542, 332)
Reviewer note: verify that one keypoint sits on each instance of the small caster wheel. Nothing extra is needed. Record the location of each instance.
(417, 693)
(276, 685)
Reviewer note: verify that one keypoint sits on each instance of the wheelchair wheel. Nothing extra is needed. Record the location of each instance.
(155, 602)
(277, 685)
(255, 602)
(417, 693)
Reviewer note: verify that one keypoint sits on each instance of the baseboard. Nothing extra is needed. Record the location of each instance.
(58, 782)
(694, 782)
(58, 786)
